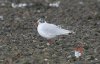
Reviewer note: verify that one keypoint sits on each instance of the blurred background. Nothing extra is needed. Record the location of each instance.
(20, 42)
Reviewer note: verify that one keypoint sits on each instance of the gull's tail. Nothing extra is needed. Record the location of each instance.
(65, 32)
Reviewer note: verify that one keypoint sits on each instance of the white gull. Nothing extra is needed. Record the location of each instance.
(49, 31)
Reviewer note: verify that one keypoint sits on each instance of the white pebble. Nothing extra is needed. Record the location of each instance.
(1, 18)
(77, 54)
(13, 5)
(48, 44)
(22, 5)
(81, 3)
(46, 59)
(55, 4)
(18, 5)
(96, 59)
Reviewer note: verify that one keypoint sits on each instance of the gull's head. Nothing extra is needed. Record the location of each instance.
(41, 20)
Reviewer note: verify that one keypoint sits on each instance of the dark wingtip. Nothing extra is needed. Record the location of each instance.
(72, 32)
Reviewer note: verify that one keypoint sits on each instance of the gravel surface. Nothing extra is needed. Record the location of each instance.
(21, 44)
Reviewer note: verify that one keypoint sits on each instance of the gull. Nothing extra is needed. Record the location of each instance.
(49, 31)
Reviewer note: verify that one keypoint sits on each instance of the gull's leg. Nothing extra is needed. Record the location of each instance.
(62, 37)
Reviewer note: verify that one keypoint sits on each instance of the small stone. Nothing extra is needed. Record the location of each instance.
(2, 4)
(55, 4)
(81, 3)
(38, 11)
(96, 59)
(13, 5)
(69, 56)
(48, 44)
(45, 59)
(1, 18)
(77, 54)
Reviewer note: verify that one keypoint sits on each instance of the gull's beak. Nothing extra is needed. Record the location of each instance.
(36, 23)
(39, 20)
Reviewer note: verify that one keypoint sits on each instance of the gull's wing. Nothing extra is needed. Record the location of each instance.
(52, 29)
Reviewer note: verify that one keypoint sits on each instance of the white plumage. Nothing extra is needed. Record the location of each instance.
(49, 31)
